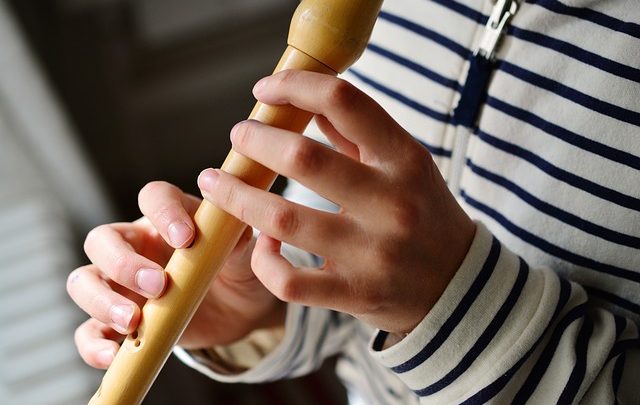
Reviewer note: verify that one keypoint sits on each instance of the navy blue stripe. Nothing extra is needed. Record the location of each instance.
(616, 376)
(580, 141)
(320, 343)
(427, 73)
(438, 116)
(487, 336)
(575, 181)
(566, 48)
(378, 341)
(426, 33)
(572, 138)
(528, 76)
(622, 346)
(590, 58)
(571, 94)
(621, 325)
(435, 150)
(298, 339)
(474, 91)
(463, 10)
(335, 318)
(570, 390)
(548, 247)
(316, 358)
(614, 299)
(421, 70)
(457, 315)
(593, 16)
(555, 212)
(541, 366)
(484, 395)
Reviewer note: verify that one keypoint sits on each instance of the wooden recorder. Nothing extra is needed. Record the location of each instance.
(325, 36)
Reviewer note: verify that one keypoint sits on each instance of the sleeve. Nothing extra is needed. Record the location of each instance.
(505, 332)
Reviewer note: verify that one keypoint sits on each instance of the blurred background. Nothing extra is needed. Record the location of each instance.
(97, 98)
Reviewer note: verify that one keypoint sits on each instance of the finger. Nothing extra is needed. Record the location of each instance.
(329, 173)
(93, 295)
(316, 231)
(353, 114)
(170, 211)
(108, 248)
(342, 144)
(96, 343)
(240, 250)
(305, 286)
(145, 239)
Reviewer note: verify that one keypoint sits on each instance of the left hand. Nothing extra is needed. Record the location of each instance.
(400, 235)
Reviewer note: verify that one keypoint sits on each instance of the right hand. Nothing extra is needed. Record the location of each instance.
(127, 261)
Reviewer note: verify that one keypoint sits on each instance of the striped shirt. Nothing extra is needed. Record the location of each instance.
(545, 307)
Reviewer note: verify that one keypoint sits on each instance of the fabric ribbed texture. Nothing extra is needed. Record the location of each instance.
(546, 305)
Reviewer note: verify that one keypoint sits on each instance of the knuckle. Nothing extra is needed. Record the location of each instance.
(404, 216)
(99, 306)
(286, 289)
(304, 157)
(418, 154)
(164, 215)
(122, 269)
(284, 220)
(417, 161)
(228, 198)
(422, 160)
(342, 94)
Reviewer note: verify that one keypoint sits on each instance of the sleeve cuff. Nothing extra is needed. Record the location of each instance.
(250, 360)
(479, 317)
(261, 355)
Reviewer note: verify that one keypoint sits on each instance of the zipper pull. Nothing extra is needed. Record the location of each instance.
(501, 13)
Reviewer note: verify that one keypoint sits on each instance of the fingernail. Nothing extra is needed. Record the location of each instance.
(207, 180)
(179, 233)
(121, 316)
(150, 281)
(105, 356)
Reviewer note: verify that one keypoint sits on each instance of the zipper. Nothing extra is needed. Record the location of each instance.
(494, 30)
(474, 92)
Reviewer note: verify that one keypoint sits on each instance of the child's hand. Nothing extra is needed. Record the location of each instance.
(400, 235)
(127, 261)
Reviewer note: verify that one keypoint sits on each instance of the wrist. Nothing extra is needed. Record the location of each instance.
(447, 265)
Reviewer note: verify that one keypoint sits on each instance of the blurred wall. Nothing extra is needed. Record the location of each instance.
(48, 194)
(154, 86)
